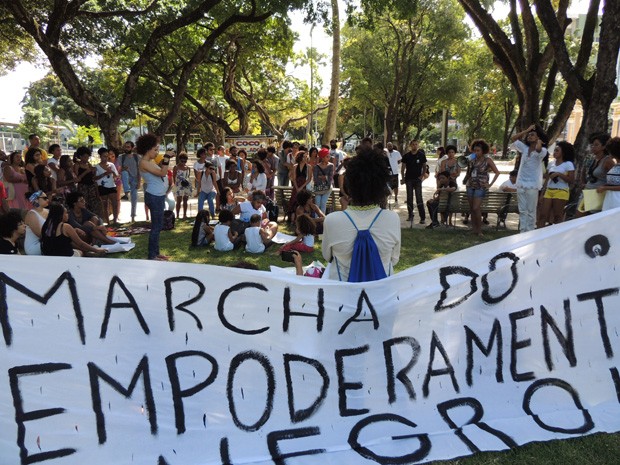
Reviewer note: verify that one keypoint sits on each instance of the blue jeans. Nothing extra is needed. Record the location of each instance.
(130, 184)
(321, 200)
(156, 207)
(283, 179)
(210, 197)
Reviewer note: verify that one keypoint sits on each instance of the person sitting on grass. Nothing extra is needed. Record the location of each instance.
(306, 206)
(59, 238)
(304, 241)
(88, 225)
(202, 233)
(253, 206)
(257, 236)
(12, 227)
(445, 183)
(225, 238)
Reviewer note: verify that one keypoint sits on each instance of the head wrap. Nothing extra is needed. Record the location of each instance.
(33, 198)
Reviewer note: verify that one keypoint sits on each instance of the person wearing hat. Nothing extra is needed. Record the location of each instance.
(323, 175)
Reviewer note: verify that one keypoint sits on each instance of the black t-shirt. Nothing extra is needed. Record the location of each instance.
(414, 164)
(6, 248)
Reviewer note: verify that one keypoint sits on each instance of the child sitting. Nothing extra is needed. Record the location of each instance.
(225, 238)
(202, 234)
(305, 230)
(256, 237)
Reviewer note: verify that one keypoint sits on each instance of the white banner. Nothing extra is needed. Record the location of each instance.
(250, 144)
(126, 361)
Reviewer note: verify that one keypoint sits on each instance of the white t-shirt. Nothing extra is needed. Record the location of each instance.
(530, 169)
(339, 235)
(394, 157)
(222, 241)
(439, 162)
(108, 179)
(308, 240)
(247, 210)
(56, 163)
(221, 160)
(253, 241)
(199, 166)
(337, 156)
(507, 185)
(562, 168)
(260, 183)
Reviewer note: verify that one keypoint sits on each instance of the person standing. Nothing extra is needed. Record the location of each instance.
(53, 162)
(156, 180)
(130, 175)
(336, 155)
(612, 186)
(413, 169)
(478, 184)
(394, 158)
(285, 164)
(273, 161)
(530, 176)
(34, 142)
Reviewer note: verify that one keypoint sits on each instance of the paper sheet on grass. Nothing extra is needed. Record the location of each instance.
(118, 247)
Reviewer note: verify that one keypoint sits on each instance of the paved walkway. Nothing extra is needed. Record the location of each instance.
(401, 208)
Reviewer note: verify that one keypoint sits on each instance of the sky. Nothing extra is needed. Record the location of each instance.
(14, 84)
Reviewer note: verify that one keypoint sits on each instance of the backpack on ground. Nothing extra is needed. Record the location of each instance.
(272, 211)
(366, 262)
(169, 220)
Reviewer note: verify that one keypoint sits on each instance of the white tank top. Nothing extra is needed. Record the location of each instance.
(32, 243)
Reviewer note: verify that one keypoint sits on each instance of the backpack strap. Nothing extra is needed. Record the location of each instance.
(357, 229)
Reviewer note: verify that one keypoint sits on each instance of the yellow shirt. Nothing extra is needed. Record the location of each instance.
(44, 155)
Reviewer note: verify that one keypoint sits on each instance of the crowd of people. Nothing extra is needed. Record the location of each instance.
(67, 203)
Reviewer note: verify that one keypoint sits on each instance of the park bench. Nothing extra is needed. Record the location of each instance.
(283, 195)
(500, 203)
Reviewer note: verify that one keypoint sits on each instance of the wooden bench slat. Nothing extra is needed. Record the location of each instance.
(283, 195)
(500, 203)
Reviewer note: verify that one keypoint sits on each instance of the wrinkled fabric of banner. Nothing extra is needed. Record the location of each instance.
(129, 361)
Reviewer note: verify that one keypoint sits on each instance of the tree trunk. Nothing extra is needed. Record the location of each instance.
(332, 111)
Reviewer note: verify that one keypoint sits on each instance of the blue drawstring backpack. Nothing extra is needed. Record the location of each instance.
(366, 262)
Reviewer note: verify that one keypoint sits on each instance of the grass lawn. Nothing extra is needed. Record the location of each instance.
(418, 246)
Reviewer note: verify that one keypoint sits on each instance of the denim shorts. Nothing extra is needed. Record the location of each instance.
(471, 192)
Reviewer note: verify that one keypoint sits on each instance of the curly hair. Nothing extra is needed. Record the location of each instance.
(9, 222)
(451, 147)
(305, 225)
(303, 196)
(568, 151)
(366, 178)
(81, 151)
(29, 158)
(613, 147)
(602, 137)
(482, 144)
(72, 198)
(145, 143)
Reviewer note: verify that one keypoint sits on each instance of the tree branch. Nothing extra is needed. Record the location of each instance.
(123, 13)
